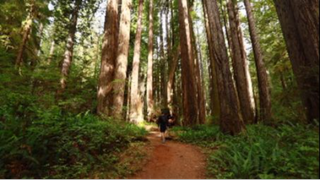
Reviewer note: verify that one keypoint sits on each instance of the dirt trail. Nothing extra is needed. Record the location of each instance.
(172, 160)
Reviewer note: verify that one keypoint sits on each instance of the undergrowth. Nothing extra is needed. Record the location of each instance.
(47, 142)
(287, 151)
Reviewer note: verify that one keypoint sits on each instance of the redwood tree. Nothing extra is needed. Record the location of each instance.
(135, 117)
(190, 101)
(263, 80)
(122, 59)
(150, 101)
(68, 55)
(198, 75)
(108, 58)
(172, 71)
(214, 95)
(299, 20)
(240, 65)
(230, 116)
(163, 60)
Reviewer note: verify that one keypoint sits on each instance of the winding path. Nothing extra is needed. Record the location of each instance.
(172, 160)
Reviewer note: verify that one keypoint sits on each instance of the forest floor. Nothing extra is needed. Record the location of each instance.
(172, 160)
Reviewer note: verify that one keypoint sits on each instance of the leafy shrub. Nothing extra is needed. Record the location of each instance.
(41, 137)
(46, 143)
(199, 134)
(288, 151)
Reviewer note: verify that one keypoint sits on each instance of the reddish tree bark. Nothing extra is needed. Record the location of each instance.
(190, 101)
(108, 58)
(135, 117)
(231, 121)
(214, 95)
(241, 66)
(68, 55)
(150, 101)
(122, 59)
(198, 77)
(263, 80)
(172, 71)
(299, 20)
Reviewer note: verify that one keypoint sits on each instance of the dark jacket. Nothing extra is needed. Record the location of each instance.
(163, 122)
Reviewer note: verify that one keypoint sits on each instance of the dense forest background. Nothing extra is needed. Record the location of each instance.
(80, 79)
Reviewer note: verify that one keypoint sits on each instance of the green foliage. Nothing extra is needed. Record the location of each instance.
(201, 133)
(285, 95)
(14, 14)
(39, 142)
(288, 151)
(11, 16)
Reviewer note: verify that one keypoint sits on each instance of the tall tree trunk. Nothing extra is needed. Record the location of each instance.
(201, 85)
(168, 38)
(37, 53)
(40, 37)
(190, 101)
(226, 27)
(108, 58)
(173, 56)
(163, 69)
(157, 74)
(68, 55)
(283, 82)
(26, 33)
(300, 25)
(172, 72)
(230, 116)
(172, 24)
(97, 56)
(51, 52)
(122, 59)
(142, 92)
(170, 54)
(263, 80)
(214, 94)
(150, 101)
(241, 66)
(177, 99)
(200, 92)
(128, 98)
(135, 96)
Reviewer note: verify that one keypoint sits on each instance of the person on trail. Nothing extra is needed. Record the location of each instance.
(163, 123)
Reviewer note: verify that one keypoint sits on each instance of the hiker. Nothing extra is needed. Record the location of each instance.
(163, 123)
